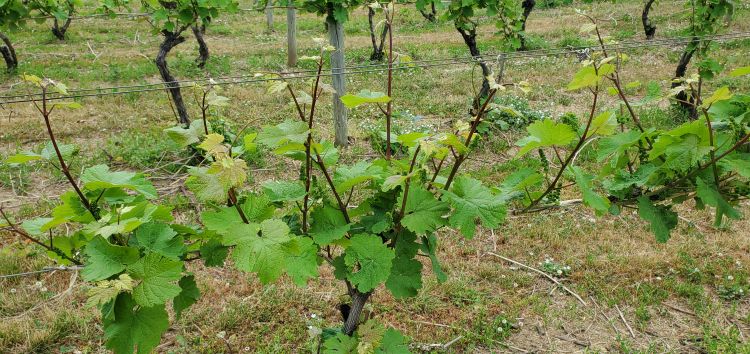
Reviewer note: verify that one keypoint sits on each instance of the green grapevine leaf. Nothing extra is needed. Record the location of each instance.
(393, 342)
(412, 139)
(66, 150)
(391, 182)
(37, 226)
(737, 162)
(603, 124)
(590, 197)
(230, 172)
(240, 233)
(406, 272)
(518, 182)
(429, 246)
(157, 274)
(257, 207)
(160, 238)
(328, 225)
(683, 154)
(745, 70)
(22, 157)
(347, 177)
(214, 253)
(192, 135)
(617, 144)
(249, 142)
(264, 254)
(206, 186)
(106, 290)
(661, 218)
(327, 151)
(132, 329)
(301, 260)
(284, 133)
(369, 335)
(213, 145)
(106, 260)
(214, 99)
(100, 177)
(284, 191)
(588, 76)
(710, 196)
(188, 295)
(721, 94)
(364, 96)
(472, 201)
(340, 344)
(71, 209)
(545, 133)
(368, 261)
(423, 213)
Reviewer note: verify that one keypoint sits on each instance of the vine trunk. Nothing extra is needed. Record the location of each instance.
(171, 40)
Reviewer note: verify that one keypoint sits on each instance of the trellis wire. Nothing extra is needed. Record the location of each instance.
(363, 69)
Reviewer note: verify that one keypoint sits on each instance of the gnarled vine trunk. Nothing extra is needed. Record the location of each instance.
(648, 27)
(430, 16)
(528, 6)
(171, 40)
(470, 38)
(354, 310)
(8, 53)
(682, 97)
(336, 39)
(59, 30)
(199, 32)
(378, 54)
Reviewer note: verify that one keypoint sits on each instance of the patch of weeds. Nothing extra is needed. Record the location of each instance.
(16, 178)
(403, 123)
(492, 330)
(689, 291)
(663, 118)
(510, 113)
(534, 42)
(732, 287)
(554, 269)
(642, 314)
(142, 149)
(461, 294)
(549, 4)
(723, 340)
(572, 39)
(624, 34)
(650, 294)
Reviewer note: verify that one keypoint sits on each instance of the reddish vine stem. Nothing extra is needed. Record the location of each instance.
(308, 142)
(616, 81)
(389, 105)
(342, 206)
(13, 227)
(233, 199)
(63, 166)
(437, 172)
(462, 157)
(570, 156)
(407, 183)
(204, 108)
(712, 153)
